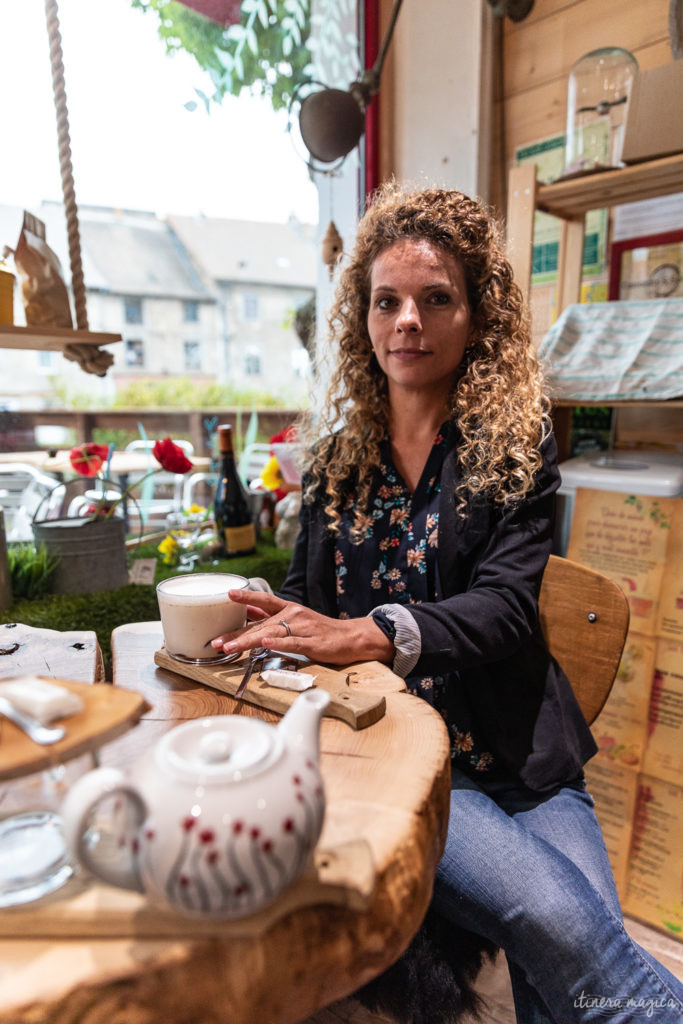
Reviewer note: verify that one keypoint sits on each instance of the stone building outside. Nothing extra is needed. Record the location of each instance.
(199, 298)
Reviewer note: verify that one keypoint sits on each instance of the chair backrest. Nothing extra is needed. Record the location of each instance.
(146, 446)
(23, 491)
(19, 478)
(584, 616)
(205, 483)
(253, 461)
(159, 506)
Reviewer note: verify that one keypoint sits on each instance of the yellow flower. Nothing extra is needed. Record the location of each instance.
(194, 509)
(271, 477)
(169, 550)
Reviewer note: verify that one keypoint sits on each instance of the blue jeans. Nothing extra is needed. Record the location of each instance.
(530, 872)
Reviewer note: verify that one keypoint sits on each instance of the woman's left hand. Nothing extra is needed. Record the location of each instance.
(293, 628)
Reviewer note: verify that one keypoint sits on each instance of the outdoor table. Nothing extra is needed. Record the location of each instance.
(123, 464)
(387, 789)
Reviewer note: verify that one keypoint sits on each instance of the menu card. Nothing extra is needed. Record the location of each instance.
(625, 537)
(664, 752)
(620, 730)
(637, 777)
(653, 890)
(670, 621)
(614, 790)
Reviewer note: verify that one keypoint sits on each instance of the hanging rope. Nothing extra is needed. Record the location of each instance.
(65, 165)
(89, 357)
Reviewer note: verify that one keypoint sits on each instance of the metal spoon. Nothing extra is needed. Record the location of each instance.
(256, 655)
(42, 734)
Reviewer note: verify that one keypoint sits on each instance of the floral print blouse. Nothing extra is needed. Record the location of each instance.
(397, 551)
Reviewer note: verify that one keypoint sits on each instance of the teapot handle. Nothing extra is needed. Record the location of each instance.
(81, 800)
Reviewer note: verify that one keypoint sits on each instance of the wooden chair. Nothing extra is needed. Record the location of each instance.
(584, 616)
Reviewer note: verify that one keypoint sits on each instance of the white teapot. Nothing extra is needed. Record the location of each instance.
(216, 819)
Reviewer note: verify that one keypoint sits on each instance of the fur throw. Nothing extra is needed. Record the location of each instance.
(432, 982)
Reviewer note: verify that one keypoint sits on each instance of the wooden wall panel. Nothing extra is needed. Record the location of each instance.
(538, 54)
(542, 111)
(538, 12)
(549, 46)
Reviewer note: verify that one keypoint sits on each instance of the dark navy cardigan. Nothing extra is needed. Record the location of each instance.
(484, 626)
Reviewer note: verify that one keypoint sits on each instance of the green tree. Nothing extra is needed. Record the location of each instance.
(267, 52)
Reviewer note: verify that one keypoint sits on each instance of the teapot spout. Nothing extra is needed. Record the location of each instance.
(300, 727)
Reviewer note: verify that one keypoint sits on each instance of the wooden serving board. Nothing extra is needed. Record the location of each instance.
(342, 876)
(358, 708)
(108, 712)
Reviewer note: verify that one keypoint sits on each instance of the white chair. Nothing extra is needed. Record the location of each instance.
(206, 482)
(253, 461)
(24, 490)
(250, 466)
(82, 504)
(171, 500)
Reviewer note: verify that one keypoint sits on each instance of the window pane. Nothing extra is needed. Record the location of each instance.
(251, 306)
(191, 312)
(252, 362)
(135, 353)
(132, 310)
(192, 355)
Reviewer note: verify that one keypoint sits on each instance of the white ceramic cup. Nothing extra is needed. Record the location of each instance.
(195, 608)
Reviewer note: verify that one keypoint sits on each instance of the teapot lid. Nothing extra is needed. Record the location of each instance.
(223, 748)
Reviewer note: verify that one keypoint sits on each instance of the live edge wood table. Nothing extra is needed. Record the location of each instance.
(99, 954)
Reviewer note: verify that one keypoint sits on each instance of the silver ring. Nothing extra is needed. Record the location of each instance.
(287, 629)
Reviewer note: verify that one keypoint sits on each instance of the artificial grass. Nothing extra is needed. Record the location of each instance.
(104, 610)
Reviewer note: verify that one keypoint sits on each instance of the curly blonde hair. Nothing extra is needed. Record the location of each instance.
(497, 400)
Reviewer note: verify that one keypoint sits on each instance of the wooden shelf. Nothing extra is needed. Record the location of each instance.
(641, 403)
(570, 201)
(652, 421)
(574, 197)
(51, 339)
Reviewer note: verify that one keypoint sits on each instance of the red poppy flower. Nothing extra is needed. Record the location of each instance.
(172, 458)
(287, 436)
(88, 459)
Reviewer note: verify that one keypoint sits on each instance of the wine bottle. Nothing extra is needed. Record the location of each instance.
(234, 521)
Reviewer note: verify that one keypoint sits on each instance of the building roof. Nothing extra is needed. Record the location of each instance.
(123, 252)
(136, 255)
(131, 252)
(251, 251)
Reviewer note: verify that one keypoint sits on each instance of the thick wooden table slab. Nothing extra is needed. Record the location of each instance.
(387, 790)
(25, 650)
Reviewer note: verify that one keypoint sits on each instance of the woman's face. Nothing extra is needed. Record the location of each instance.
(419, 317)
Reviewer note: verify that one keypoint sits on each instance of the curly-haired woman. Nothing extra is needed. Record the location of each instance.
(425, 530)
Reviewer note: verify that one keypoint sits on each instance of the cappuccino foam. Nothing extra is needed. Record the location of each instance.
(200, 586)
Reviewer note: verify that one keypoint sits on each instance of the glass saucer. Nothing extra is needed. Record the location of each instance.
(34, 860)
(220, 659)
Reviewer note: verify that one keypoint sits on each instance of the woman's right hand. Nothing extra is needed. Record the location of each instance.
(292, 628)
